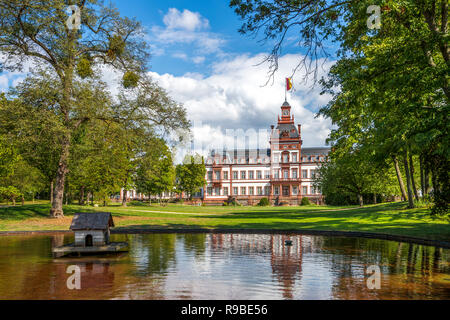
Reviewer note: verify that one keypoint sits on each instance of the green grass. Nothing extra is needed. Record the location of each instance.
(391, 218)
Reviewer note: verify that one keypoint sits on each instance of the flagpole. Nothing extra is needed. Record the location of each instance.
(285, 91)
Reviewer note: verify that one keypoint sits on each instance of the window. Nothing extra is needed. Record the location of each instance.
(235, 175)
(267, 191)
(258, 175)
(294, 157)
(259, 190)
(217, 191)
(294, 173)
(251, 175)
(313, 190)
(225, 175)
(286, 191)
(209, 191)
(225, 191)
(277, 191)
(210, 175)
(217, 175)
(313, 174)
(235, 191)
(305, 174)
(243, 175)
(305, 190)
(286, 158)
(294, 191)
(276, 174)
(251, 191)
(243, 191)
(267, 174)
(276, 159)
(286, 174)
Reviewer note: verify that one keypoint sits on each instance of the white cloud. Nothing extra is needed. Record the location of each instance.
(186, 27)
(186, 20)
(198, 59)
(181, 56)
(234, 97)
(4, 81)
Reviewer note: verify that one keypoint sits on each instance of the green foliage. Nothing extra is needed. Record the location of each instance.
(130, 80)
(190, 176)
(305, 201)
(390, 87)
(84, 68)
(116, 47)
(10, 193)
(264, 202)
(8, 157)
(155, 173)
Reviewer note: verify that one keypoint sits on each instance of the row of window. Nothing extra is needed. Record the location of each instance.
(250, 175)
(260, 191)
(276, 159)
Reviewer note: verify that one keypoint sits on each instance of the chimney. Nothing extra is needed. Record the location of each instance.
(300, 130)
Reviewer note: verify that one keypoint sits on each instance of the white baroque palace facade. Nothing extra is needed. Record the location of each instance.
(283, 173)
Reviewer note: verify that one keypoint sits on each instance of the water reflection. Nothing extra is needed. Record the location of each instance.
(226, 266)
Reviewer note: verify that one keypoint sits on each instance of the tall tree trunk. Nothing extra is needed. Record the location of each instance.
(413, 181)
(426, 176)
(58, 193)
(399, 177)
(360, 200)
(422, 175)
(81, 198)
(374, 198)
(51, 191)
(434, 180)
(23, 200)
(408, 181)
(124, 198)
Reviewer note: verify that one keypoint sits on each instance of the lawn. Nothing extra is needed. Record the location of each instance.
(391, 218)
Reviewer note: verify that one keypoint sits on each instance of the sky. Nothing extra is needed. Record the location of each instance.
(204, 63)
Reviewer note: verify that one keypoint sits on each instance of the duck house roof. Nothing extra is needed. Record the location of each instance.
(92, 221)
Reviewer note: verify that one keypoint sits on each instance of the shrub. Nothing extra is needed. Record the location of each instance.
(264, 202)
(305, 202)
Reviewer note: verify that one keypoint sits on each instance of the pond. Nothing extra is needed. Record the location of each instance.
(226, 266)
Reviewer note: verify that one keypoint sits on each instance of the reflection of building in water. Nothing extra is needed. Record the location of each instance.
(286, 261)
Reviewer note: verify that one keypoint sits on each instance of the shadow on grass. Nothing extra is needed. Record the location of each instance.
(36, 211)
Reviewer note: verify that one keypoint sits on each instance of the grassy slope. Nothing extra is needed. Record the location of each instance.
(388, 218)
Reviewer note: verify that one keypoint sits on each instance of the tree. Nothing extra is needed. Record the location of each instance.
(41, 33)
(26, 179)
(190, 176)
(390, 86)
(352, 174)
(155, 173)
(10, 193)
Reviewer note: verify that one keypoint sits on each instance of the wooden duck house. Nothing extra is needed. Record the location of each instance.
(92, 234)
(92, 229)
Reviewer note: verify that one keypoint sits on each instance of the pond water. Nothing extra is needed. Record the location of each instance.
(226, 266)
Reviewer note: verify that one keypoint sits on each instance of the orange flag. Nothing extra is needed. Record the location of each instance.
(288, 84)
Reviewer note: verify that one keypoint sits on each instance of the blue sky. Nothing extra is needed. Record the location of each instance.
(223, 24)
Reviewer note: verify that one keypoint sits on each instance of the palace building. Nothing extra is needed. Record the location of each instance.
(283, 173)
